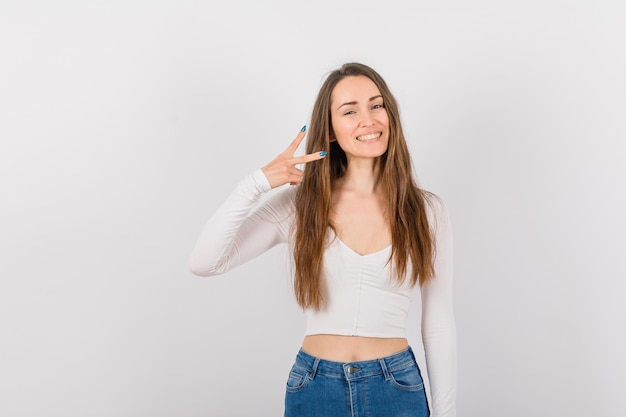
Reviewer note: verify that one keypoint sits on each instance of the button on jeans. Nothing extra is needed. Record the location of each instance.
(387, 387)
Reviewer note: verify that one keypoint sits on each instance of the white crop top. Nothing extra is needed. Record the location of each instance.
(362, 298)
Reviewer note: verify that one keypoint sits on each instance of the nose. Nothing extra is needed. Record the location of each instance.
(367, 119)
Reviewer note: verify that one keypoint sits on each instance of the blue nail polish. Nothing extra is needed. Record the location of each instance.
(323, 153)
(303, 128)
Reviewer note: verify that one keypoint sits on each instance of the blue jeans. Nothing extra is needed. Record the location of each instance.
(387, 387)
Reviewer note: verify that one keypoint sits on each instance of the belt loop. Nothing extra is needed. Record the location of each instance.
(314, 368)
(383, 365)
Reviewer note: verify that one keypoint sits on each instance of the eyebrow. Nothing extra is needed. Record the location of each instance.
(351, 103)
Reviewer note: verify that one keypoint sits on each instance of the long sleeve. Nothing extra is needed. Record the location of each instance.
(242, 228)
(438, 325)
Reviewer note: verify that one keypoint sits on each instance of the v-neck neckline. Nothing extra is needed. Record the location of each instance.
(342, 243)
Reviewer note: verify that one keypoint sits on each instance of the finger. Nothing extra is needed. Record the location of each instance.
(304, 159)
(293, 146)
(291, 174)
(295, 176)
(297, 179)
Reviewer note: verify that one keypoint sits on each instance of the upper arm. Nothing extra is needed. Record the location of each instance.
(437, 293)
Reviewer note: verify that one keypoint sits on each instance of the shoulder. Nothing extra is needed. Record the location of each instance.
(436, 210)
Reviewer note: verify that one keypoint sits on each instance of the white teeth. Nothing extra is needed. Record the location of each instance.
(368, 137)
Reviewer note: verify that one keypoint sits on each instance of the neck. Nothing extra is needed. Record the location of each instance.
(362, 176)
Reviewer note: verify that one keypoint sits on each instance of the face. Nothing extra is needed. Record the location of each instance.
(359, 119)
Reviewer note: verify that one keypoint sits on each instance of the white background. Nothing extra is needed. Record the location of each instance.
(123, 125)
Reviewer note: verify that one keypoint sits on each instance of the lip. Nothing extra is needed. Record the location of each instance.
(369, 137)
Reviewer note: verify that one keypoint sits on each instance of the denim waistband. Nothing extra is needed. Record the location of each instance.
(353, 370)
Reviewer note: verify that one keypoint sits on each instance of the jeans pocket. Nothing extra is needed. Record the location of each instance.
(297, 379)
(408, 379)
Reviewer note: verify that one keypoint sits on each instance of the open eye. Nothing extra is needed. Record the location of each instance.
(378, 106)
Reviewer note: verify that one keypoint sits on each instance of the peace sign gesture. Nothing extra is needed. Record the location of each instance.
(282, 170)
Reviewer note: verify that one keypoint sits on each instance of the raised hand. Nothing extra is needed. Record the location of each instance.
(282, 170)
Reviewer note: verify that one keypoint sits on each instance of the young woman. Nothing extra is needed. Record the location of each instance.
(363, 236)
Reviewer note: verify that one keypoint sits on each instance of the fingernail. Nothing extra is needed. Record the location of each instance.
(323, 153)
(303, 128)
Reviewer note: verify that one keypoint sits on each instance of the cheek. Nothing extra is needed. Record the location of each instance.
(385, 119)
(341, 129)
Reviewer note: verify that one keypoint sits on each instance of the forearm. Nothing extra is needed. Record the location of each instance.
(216, 250)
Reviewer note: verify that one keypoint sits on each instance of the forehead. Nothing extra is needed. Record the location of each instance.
(354, 88)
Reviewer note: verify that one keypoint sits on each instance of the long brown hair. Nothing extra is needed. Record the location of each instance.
(412, 238)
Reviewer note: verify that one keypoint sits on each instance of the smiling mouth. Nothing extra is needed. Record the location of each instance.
(367, 138)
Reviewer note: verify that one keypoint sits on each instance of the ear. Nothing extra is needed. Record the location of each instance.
(331, 136)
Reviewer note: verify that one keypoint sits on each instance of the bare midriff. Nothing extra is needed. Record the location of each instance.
(351, 348)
